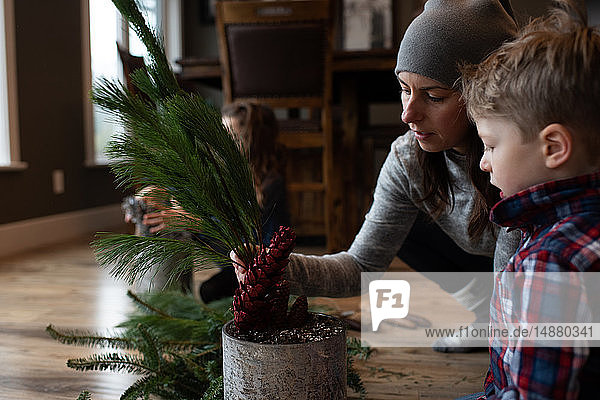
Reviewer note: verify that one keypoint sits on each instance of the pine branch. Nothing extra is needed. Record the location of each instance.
(196, 173)
(85, 395)
(176, 142)
(194, 370)
(176, 317)
(89, 339)
(353, 379)
(151, 349)
(131, 257)
(355, 350)
(180, 305)
(187, 345)
(142, 387)
(215, 391)
(113, 362)
(171, 328)
(147, 305)
(160, 69)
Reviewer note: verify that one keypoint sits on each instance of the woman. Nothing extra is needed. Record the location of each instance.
(431, 201)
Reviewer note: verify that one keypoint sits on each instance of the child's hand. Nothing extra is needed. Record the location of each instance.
(153, 196)
(155, 220)
(158, 220)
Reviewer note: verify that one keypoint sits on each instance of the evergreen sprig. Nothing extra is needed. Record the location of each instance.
(169, 368)
(90, 339)
(161, 80)
(354, 350)
(215, 391)
(84, 395)
(115, 362)
(176, 142)
(179, 320)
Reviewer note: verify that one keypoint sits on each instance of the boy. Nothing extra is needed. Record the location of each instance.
(536, 104)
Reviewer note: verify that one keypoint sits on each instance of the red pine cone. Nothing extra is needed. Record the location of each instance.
(262, 299)
(298, 312)
(279, 299)
(282, 243)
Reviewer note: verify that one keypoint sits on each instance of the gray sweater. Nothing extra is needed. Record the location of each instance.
(394, 210)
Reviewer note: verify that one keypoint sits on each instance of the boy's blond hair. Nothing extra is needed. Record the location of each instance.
(549, 74)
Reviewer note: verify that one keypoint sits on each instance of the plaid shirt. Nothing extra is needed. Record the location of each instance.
(560, 224)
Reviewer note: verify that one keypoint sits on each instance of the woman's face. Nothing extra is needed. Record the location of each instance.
(435, 114)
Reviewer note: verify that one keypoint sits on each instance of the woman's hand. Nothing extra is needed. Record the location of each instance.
(239, 267)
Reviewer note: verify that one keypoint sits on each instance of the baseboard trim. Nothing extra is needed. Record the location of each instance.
(16, 237)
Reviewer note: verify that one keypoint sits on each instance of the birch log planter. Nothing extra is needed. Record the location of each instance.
(314, 370)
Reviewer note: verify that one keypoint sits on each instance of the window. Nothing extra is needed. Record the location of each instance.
(9, 138)
(103, 28)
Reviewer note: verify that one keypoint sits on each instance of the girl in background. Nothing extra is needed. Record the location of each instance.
(256, 128)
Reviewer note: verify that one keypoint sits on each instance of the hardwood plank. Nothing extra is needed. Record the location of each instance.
(63, 286)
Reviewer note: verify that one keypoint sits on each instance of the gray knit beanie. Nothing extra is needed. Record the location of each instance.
(450, 32)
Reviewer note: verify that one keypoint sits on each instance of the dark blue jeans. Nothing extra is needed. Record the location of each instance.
(428, 249)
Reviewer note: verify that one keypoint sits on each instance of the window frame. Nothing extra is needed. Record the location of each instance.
(170, 20)
(15, 161)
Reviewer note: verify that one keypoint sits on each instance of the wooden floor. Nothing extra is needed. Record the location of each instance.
(62, 285)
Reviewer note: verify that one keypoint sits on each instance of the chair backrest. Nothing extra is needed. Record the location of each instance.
(276, 52)
(130, 64)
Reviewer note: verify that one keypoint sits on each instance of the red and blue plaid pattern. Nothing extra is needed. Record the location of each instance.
(560, 221)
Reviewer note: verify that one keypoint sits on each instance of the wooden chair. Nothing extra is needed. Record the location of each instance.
(279, 53)
(130, 64)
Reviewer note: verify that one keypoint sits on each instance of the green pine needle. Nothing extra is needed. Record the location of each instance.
(151, 349)
(178, 320)
(89, 339)
(355, 349)
(130, 257)
(115, 362)
(215, 390)
(146, 306)
(162, 75)
(85, 395)
(354, 381)
(173, 330)
(176, 142)
(140, 388)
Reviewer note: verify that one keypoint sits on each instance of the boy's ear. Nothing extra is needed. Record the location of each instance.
(557, 143)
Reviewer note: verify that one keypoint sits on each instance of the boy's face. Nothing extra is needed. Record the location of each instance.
(513, 164)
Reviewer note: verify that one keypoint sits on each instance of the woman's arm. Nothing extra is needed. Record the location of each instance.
(383, 231)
